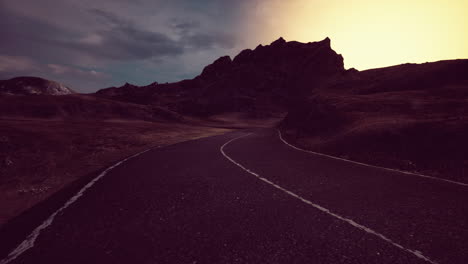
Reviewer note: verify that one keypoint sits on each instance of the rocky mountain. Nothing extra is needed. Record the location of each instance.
(263, 80)
(32, 85)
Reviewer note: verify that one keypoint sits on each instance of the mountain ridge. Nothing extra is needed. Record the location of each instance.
(257, 81)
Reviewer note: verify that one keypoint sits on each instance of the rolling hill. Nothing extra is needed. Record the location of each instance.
(33, 86)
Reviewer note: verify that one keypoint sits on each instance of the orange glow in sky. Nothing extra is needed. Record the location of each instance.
(368, 33)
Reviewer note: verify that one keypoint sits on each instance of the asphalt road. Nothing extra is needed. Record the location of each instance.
(246, 197)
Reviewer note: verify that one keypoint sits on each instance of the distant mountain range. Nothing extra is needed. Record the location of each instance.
(33, 97)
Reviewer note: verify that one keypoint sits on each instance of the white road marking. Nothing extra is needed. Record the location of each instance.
(368, 165)
(31, 239)
(323, 209)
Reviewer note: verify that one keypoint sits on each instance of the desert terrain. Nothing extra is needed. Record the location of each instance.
(410, 117)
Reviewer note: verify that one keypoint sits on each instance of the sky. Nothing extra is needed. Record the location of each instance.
(91, 44)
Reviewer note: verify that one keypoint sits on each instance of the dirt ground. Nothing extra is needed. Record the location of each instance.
(39, 157)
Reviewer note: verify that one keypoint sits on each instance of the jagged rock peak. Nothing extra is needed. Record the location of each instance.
(243, 56)
(260, 46)
(326, 42)
(279, 41)
(217, 67)
(223, 60)
(129, 85)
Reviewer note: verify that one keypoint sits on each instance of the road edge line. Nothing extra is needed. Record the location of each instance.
(368, 165)
(30, 240)
(323, 209)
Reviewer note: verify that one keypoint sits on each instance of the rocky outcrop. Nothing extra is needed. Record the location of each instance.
(217, 69)
(262, 80)
(32, 85)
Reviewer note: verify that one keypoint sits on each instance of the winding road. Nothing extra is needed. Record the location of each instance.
(248, 197)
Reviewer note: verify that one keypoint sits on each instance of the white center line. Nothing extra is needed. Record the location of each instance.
(323, 209)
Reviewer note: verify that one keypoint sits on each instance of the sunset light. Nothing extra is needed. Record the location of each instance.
(370, 33)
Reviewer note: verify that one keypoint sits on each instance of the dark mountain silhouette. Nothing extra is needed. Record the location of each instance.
(33, 85)
(262, 80)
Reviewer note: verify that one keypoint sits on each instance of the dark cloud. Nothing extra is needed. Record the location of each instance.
(70, 40)
(109, 18)
(184, 27)
(25, 36)
(122, 40)
(207, 41)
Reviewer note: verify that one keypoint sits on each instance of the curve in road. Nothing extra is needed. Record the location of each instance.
(368, 165)
(187, 203)
(325, 210)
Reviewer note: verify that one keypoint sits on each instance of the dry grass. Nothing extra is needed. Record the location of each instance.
(39, 157)
(243, 120)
